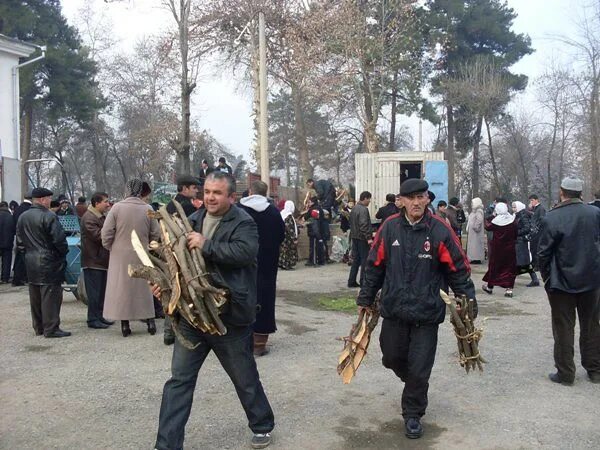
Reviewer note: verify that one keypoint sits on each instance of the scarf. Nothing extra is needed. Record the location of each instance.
(519, 206)
(288, 210)
(133, 187)
(503, 217)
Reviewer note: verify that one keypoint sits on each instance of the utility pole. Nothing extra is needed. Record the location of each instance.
(264, 128)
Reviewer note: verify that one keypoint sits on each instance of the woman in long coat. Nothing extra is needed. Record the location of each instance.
(128, 298)
(523, 218)
(475, 232)
(502, 267)
(288, 251)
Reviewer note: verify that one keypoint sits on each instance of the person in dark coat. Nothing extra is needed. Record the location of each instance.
(205, 170)
(523, 219)
(415, 254)
(228, 239)
(325, 193)
(43, 241)
(502, 267)
(224, 167)
(361, 237)
(7, 237)
(81, 206)
(596, 201)
(388, 210)
(13, 205)
(271, 232)
(19, 272)
(539, 212)
(94, 259)
(314, 217)
(569, 255)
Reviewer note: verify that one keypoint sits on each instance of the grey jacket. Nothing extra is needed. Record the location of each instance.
(360, 223)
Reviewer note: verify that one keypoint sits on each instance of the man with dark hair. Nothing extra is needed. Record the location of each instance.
(205, 170)
(442, 206)
(415, 254)
(81, 207)
(538, 213)
(224, 167)
(325, 193)
(228, 240)
(41, 238)
(94, 259)
(65, 208)
(54, 206)
(596, 201)
(7, 237)
(361, 236)
(271, 231)
(568, 256)
(388, 210)
(19, 272)
(187, 189)
(455, 215)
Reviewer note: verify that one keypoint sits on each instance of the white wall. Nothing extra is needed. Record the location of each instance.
(7, 145)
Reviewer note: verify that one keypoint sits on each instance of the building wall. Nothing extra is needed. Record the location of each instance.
(7, 146)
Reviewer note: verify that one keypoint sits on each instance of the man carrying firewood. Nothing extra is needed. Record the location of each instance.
(414, 255)
(228, 240)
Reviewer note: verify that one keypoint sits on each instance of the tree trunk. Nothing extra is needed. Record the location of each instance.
(594, 138)
(182, 162)
(256, 99)
(26, 146)
(300, 132)
(493, 159)
(475, 176)
(449, 153)
(394, 107)
(96, 153)
(550, 156)
(371, 138)
(370, 119)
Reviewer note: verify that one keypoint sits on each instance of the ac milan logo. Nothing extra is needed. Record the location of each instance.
(427, 246)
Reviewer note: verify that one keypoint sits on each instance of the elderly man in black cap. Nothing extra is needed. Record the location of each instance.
(42, 239)
(414, 255)
(569, 258)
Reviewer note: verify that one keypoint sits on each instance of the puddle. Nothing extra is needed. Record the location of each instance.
(295, 328)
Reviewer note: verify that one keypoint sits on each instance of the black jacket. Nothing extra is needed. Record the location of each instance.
(410, 264)
(523, 219)
(314, 218)
(20, 210)
(186, 203)
(325, 193)
(42, 238)
(7, 229)
(230, 257)
(538, 214)
(569, 247)
(360, 223)
(386, 211)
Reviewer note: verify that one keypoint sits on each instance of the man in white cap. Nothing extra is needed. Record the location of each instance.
(569, 257)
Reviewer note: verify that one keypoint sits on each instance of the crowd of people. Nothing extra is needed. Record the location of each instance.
(413, 252)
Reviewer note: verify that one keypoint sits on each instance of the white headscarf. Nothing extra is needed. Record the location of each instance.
(503, 217)
(476, 203)
(288, 210)
(519, 206)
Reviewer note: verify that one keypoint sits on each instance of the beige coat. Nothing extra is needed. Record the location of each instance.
(476, 236)
(127, 298)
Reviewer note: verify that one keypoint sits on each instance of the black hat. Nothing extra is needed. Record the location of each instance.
(187, 180)
(41, 193)
(412, 186)
(431, 196)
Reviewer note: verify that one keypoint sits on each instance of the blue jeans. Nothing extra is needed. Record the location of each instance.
(235, 352)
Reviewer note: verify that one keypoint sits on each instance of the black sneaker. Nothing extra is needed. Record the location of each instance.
(533, 284)
(261, 440)
(414, 429)
(555, 378)
(594, 377)
(168, 339)
(58, 333)
(98, 325)
(353, 285)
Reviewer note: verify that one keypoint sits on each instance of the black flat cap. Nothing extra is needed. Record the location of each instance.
(412, 186)
(187, 180)
(41, 193)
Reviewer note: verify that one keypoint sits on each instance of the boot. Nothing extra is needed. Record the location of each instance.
(151, 327)
(125, 330)
(260, 344)
(534, 280)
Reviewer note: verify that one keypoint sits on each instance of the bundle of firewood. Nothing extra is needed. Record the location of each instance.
(356, 344)
(185, 286)
(462, 318)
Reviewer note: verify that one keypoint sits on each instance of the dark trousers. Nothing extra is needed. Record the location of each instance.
(45, 301)
(563, 306)
(316, 251)
(19, 270)
(235, 352)
(360, 252)
(533, 248)
(95, 288)
(409, 350)
(6, 255)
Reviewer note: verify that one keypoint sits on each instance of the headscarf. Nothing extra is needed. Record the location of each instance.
(133, 187)
(476, 203)
(288, 210)
(503, 217)
(519, 206)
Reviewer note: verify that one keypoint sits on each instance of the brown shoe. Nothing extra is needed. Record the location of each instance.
(260, 344)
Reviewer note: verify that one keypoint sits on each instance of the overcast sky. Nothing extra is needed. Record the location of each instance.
(223, 107)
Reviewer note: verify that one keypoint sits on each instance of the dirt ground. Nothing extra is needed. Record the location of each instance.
(97, 390)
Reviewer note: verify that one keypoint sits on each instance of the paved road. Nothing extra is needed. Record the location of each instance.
(97, 390)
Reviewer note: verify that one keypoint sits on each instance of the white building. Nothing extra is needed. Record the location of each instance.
(11, 50)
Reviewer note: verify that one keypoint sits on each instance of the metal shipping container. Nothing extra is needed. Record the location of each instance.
(382, 173)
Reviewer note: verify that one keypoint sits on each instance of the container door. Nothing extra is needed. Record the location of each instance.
(436, 175)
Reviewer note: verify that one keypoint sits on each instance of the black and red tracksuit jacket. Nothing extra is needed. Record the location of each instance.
(410, 264)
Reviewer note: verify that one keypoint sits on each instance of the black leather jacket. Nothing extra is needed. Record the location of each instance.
(230, 257)
(42, 238)
(569, 247)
